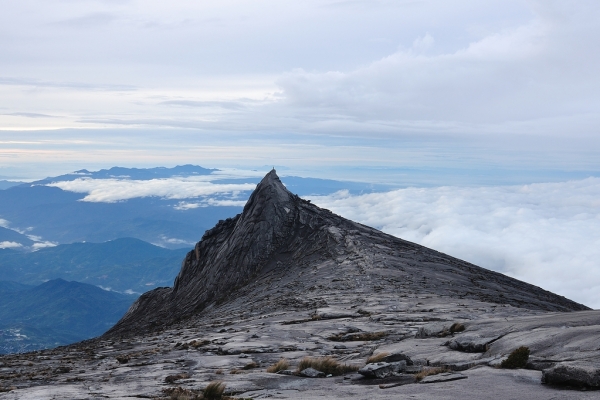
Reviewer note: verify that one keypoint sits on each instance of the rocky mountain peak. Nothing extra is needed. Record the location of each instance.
(270, 192)
(282, 247)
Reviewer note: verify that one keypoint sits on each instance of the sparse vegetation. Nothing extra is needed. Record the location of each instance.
(251, 365)
(198, 343)
(173, 378)
(377, 358)
(430, 371)
(279, 366)
(180, 393)
(214, 390)
(123, 359)
(517, 359)
(356, 337)
(327, 365)
(454, 328)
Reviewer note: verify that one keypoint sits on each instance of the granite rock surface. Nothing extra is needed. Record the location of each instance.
(287, 280)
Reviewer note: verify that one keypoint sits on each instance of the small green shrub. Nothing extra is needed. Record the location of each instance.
(517, 359)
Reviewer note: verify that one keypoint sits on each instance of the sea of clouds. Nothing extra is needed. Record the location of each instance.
(547, 234)
(113, 190)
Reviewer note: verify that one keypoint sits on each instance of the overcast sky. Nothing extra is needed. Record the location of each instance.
(455, 80)
(455, 96)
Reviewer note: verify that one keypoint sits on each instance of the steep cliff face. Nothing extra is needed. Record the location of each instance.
(282, 247)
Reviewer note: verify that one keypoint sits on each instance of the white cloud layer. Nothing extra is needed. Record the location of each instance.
(9, 245)
(113, 190)
(546, 234)
(43, 245)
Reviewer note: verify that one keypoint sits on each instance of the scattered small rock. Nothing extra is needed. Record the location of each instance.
(286, 372)
(470, 343)
(394, 357)
(443, 377)
(312, 373)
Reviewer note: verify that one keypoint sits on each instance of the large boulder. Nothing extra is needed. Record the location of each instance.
(471, 343)
(434, 329)
(382, 369)
(578, 374)
(394, 357)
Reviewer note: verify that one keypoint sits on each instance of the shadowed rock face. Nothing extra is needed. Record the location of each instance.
(282, 237)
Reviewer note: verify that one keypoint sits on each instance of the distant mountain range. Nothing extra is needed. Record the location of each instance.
(46, 215)
(132, 173)
(6, 184)
(55, 313)
(123, 265)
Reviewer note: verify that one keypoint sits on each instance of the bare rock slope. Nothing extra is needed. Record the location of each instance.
(288, 280)
(279, 235)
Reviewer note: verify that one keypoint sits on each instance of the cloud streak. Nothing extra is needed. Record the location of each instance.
(10, 245)
(546, 234)
(113, 190)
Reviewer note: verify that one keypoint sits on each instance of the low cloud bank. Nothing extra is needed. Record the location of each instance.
(113, 190)
(9, 245)
(546, 234)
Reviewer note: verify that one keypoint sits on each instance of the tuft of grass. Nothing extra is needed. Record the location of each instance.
(377, 358)
(454, 328)
(279, 366)
(173, 378)
(214, 390)
(327, 365)
(180, 393)
(517, 359)
(198, 343)
(219, 372)
(430, 371)
(123, 359)
(251, 365)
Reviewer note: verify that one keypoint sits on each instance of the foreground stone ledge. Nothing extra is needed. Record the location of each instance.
(576, 374)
